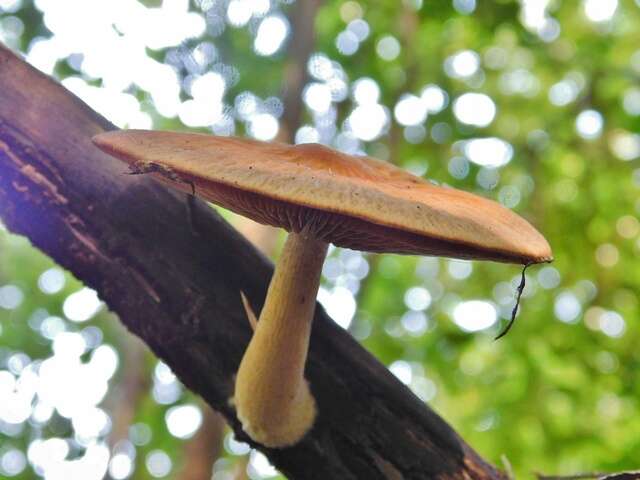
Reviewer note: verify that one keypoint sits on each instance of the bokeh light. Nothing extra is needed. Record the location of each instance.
(553, 89)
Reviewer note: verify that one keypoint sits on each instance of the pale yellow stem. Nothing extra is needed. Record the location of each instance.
(272, 398)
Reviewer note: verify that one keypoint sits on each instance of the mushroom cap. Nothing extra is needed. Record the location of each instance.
(351, 201)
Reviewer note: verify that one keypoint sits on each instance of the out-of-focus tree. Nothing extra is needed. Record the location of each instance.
(533, 103)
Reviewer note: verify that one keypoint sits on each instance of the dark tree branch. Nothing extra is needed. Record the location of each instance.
(173, 270)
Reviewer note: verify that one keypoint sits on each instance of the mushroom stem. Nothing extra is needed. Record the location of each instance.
(272, 398)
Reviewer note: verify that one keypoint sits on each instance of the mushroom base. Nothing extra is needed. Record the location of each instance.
(272, 398)
(274, 431)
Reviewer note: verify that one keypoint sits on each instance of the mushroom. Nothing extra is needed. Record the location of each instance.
(320, 196)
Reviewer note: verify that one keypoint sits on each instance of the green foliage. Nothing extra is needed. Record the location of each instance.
(560, 392)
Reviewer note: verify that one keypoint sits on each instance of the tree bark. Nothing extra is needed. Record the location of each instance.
(173, 270)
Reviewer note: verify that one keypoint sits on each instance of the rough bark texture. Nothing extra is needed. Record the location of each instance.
(173, 270)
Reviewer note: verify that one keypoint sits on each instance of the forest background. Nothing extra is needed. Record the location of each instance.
(533, 103)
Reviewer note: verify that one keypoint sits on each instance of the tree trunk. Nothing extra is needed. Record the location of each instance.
(173, 271)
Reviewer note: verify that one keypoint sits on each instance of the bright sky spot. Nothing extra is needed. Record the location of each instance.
(10, 297)
(519, 81)
(550, 30)
(89, 424)
(347, 42)
(464, 6)
(307, 134)
(612, 324)
(206, 108)
(320, 67)
(488, 152)
(272, 32)
(260, 465)
(209, 87)
(360, 29)
(415, 133)
(50, 456)
(474, 109)
(140, 434)
(71, 386)
(17, 362)
(533, 13)
(69, 344)
(42, 412)
(123, 109)
(462, 64)
(631, 101)
(339, 304)
(458, 167)
(434, 98)
(12, 462)
(415, 323)
(258, 7)
(563, 92)
(246, 104)
(488, 178)
(238, 13)
(607, 255)
(317, 96)
(368, 121)
(158, 463)
(51, 326)
(567, 307)
(166, 389)
(350, 10)
(346, 142)
(600, 10)
(509, 196)
(535, 17)
(625, 145)
(51, 281)
(459, 269)
(166, 27)
(388, 48)
(475, 315)
(235, 447)
(589, 124)
(120, 466)
(81, 305)
(183, 421)
(199, 114)
(16, 395)
(424, 388)
(402, 371)
(263, 126)
(163, 374)
(10, 6)
(104, 360)
(410, 110)
(417, 298)
(366, 90)
(42, 453)
(628, 226)
(338, 86)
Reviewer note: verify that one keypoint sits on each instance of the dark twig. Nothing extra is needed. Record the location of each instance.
(630, 475)
(514, 312)
(578, 476)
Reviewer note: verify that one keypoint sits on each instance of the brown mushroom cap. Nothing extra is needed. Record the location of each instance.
(354, 202)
